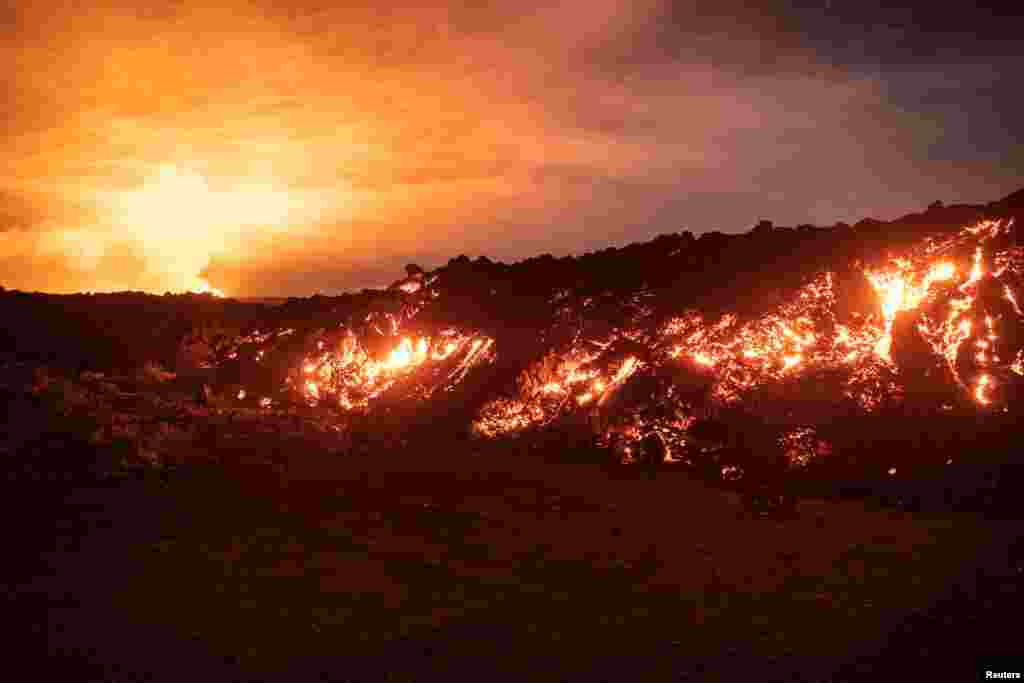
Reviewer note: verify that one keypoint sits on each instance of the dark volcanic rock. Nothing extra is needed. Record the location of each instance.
(654, 449)
(923, 374)
(194, 353)
(854, 295)
(910, 351)
(1011, 201)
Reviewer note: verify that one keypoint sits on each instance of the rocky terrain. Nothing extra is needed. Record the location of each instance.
(790, 451)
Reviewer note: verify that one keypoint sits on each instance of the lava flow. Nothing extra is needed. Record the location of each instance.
(943, 315)
(355, 363)
(347, 374)
(945, 292)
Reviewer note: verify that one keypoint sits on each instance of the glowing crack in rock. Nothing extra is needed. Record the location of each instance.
(981, 392)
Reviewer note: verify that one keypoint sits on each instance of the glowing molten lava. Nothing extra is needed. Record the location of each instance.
(899, 290)
(201, 286)
(937, 285)
(944, 312)
(981, 392)
(348, 373)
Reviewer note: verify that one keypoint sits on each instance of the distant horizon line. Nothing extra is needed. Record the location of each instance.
(1010, 199)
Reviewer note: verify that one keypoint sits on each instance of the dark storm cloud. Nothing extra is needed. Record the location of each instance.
(922, 33)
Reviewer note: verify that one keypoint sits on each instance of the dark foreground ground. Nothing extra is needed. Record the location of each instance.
(284, 559)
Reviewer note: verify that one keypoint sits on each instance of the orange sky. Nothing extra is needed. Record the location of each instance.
(320, 148)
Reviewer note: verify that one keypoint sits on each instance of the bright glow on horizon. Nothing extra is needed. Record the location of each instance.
(177, 220)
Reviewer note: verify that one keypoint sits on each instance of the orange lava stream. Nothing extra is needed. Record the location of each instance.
(957, 292)
(804, 334)
(352, 377)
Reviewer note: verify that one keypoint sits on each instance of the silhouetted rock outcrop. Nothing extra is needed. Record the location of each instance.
(1013, 201)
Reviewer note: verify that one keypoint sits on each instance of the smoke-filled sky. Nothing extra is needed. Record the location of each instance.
(287, 149)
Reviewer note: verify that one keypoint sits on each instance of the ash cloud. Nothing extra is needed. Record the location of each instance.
(437, 129)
